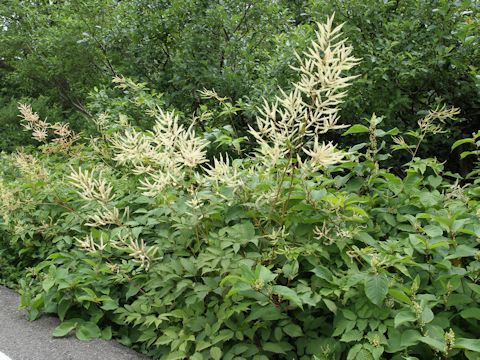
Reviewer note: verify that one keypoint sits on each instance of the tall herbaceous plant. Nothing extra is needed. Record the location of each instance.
(290, 248)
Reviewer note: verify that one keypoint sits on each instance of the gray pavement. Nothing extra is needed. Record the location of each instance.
(24, 340)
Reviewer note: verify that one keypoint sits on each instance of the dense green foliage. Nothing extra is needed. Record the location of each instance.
(191, 240)
(415, 54)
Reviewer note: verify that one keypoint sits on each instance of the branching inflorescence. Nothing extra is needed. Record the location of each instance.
(297, 118)
(58, 136)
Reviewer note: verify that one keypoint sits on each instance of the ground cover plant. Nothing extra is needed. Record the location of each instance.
(282, 245)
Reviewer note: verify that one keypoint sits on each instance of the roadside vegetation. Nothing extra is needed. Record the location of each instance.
(241, 180)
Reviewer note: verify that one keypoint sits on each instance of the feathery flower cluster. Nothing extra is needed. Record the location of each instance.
(137, 249)
(107, 217)
(29, 164)
(162, 153)
(63, 139)
(428, 123)
(8, 201)
(91, 188)
(312, 108)
(101, 121)
(212, 94)
(223, 173)
(323, 155)
(432, 123)
(90, 245)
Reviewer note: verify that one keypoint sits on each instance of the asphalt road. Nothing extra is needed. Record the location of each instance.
(24, 340)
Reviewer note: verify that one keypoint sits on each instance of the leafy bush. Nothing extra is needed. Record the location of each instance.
(415, 54)
(296, 250)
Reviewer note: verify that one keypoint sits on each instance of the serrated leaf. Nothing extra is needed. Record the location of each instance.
(376, 288)
(352, 335)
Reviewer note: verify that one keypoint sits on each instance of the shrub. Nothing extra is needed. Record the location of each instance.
(296, 250)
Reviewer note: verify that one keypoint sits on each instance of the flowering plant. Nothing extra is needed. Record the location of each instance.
(298, 249)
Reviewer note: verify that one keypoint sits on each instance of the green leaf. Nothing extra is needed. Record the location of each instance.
(107, 333)
(409, 338)
(267, 313)
(399, 295)
(433, 230)
(352, 354)
(265, 274)
(461, 142)
(470, 313)
(352, 336)
(467, 344)
(216, 353)
(288, 294)
(48, 283)
(62, 309)
(464, 154)
(376, 288)
(436, 344)
(358, 352)
(474, 287)
(277, 348)
(109, 305)
(356, 129)
(293, 330)
(88, 331)
(402, 317)
(323, 273)
(427, 315)
(330, 305)
(64, 328)
(462, 251)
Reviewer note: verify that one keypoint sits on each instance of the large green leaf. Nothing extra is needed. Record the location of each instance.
(467, 344)
(356, 129)
(88, 331)
(64, 328)
(376, 288)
